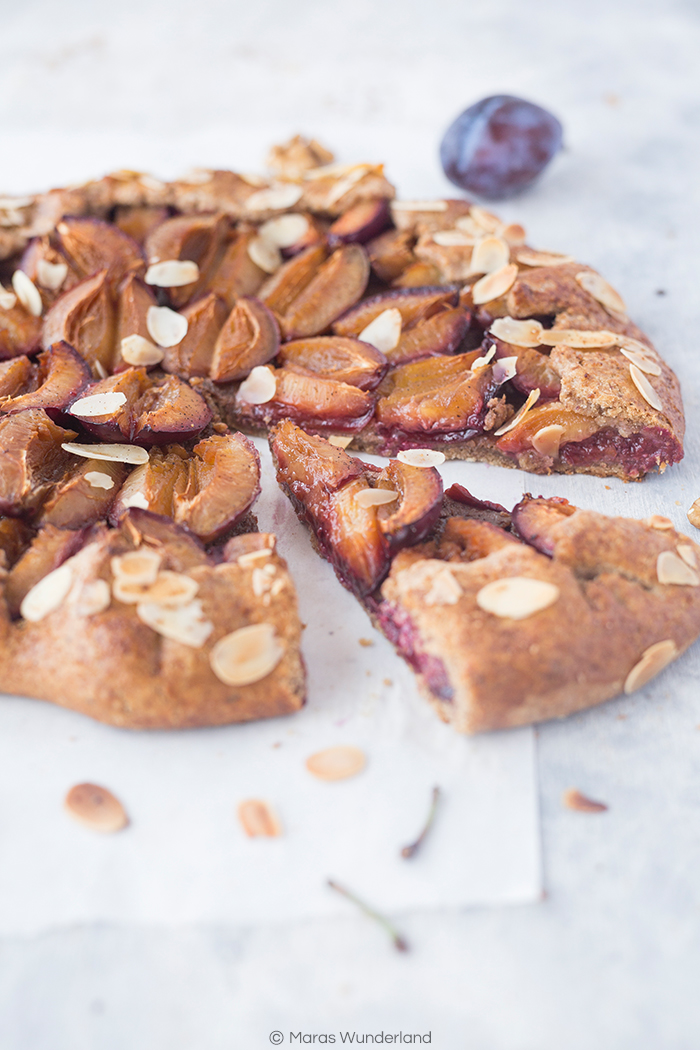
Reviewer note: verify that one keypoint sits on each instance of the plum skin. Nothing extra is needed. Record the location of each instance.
(499, 146)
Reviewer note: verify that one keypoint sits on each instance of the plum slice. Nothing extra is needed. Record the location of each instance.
(139, 220)
(292, 278)
(249, 337)
(49, 549)
(192, 356)
(534, 519)
(20, 332)
(17, 376)
(236, 273)
(61, 375)
(31, 461)
(84, 317)
(84, 495)
(336, 357)
(417, 275)
(414, 305)
(533, 370)
(15, 537)
(417, 510)
(93, 245)
(223, 483)
(198, 238)
(441, 333)
(360, 223)
(527, 433)
(51, 280)
(391, 254)
(313, 401)
(134, 299)
(153, 485)
(337, 285)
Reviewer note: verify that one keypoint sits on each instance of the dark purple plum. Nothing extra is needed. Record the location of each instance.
(499, 146)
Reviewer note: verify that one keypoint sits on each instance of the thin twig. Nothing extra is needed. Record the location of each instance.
(399, 943)
(410, 851)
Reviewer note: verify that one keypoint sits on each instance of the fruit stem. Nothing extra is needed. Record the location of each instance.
(410, 851)
(398, 941)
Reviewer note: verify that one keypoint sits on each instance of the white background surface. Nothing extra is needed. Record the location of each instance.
(610, 958)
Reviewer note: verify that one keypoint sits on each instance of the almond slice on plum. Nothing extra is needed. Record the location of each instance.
(84, 317)
(28, 295)
(32, 461)
(341, 358)
(93, 245)
(336, 286)
(249, 337)
(313, 401)
(76, 500)
(134, 300)
(576, 427)
(199, 239)
(414, 304)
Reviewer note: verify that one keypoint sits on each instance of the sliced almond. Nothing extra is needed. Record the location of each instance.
(670, 569)
(170, 590)
(135, 499)
(285, 230)
(259, 388)
(687, 553)
(494, 284)
(485, 219)
(516, 597)
(444, 589)
(186, 624)
(8, 300)
(258, 819)
(265, 254)
(578, 339)
(453, 239)
(100, 368)
(274, 198)
(139, 567)
(489, 255)
(355, 175)
(375, 497)
(93, 597)
(653, 660)
(421, 457)
(340, 440)
(251, 557)
(520, 414)
(518, 333)
(336, 763)
(472, 229)
(139, 351)
(384, 332)
(482, 362)
(547, 440)
(645, 388)
(504, 369)
(51, 275)
(530, 257)
(419, 205)
(514, 233)
(642, 361)
(97, 479)
(658, 521)
(48, 594)
(247, 655)
(166, 327)
(603, 292)
(94, 405)
(694, 514)
(133, 454)
(573, 799)
(27, 293)
(172, 273)
(96, 808)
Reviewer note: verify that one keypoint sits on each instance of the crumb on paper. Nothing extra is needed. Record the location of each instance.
(574, 799)
(365, 642)
(388, 681)
(608, 487)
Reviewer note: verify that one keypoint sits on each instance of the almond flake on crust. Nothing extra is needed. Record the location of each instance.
(258, 819)
(653, 660)
(532, 397)
(48, 594)
(51, 275)
(116, 453)
(172, 273)
(259, 387)
(687, 553)
(419, 205)
(421, 457)
(96, 808)
(578, 339)
(336, 763)
(547, 440)
(530, 257)
(659, 521)
(27, 293)
(494, 284)
(641, 361)
(384, 332)
(170, 590)
(489, 255)
(453, 239)
(670, 569)
(274, 198)
(247, 655)
(340, 440)
(166, 327)
(375, 497)
(603, 292)
(513, 233)
(95, 405)
(265, 254)
(517, 333)
(141, 566)
(8, 300)
(645, 388)
(485, 219)
(94, 596)
(516, 597)
(186, 624)
(139, 351)
(444, 590)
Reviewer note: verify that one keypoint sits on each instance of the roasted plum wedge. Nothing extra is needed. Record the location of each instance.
(337, 285)
(61, 374)
(292, 278)
(85, 318)
(361, 223)
(93, 245)
(50, 548)
(84, 495)
(200, 239)
(314, 401)
(20, 332)
(249, 337)
(192, 356)
(417, 508)
(337, 357)
(32, 460)
(17, 376)
(534, 519)
(414, 305)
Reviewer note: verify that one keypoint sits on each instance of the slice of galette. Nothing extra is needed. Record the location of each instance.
(507, 619)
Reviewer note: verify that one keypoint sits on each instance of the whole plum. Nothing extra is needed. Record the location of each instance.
(499, 146)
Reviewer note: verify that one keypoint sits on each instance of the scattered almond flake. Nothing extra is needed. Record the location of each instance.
(93, 597)
(258, 819)
(166, 327)
(172, 273)
(48, 594)
(169, 590)
(27, 293)
(151, 183)
(8, 300)
(520, 414)
(472, 229)
(197, 177)
(547, 440)
(324, 170)
(96, 808)
(247, 655)
(9, 203)
(285, 230)
(530, 257)
(653, 660)
(261, 583)
(265, 254)
(384, 332)
(642, 362)
(135, 499)
(274, 198)
(139, 351)
(421, 457)
(514, 233)
(250, 557)
(63, 227)
(658, 521)
(484, 218)
(278, 586)
(494, 285)
(687, 553)
(186, 624)
(419, 205)
(489, 255)
(645, 388)
(481, 362)
(141, 566)
(518, 333)
(444, 589)
(504, 369)
(694, 514)
(347, 182)
(573, 799)
(578, 339)
(259, 388)
(336, 763)
(100, 369)
(94, 405)
(603, 292)
(252, 178)
(453, 239)
(133, 454)
(340, 440)
(634, 344)
(517, 597)
(96, 479)
(51, 275)
(375, 497)
(670, 569)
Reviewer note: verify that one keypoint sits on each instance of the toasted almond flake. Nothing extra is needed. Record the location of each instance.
(258, 819)
(520, 414)
(133, 454)
(260, 582)
(197, 177)
(27, 293)
(547, 440)
(603, 292)
(578, 339)
(481, 362)
(347, 182)
(670, 569)
(93, 597)
(8, 300)
(250, 557)
(653, 660)
(274, 198)
(645, 388)
(518, 333)
(453, 239)
(96, 808)
(98, 405)
(285, 230)
(658, 521)
(96, 479)
(375, 497)
(140, 567)
(336, 763)
(504, 369)
(278, 586)
(530, 257)
(259, 388)
(642, 361)
(421, 457)
(186, 624)
(265, 254)
(10, 203)
(694, 514)
(139, 351)
(514, 233)
(166, 327)
(472, 229)
(169, 590)
(51, 275)
(485, 219)
(573, 799)
(687, 553)
(517, 597)
(172, 273)
(340, 440)
(247, 655)
(384, 332)
(419, 205)
(489, 255)
(135, 499)
(494, 284)
(444, 589)
(100, 369)
(48, 594)
(252, 178)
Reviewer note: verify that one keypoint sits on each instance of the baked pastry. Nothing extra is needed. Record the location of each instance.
(507, 619)
(314, 295)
